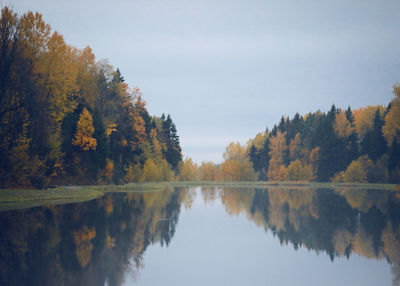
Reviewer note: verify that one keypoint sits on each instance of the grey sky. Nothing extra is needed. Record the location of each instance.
(226, 70)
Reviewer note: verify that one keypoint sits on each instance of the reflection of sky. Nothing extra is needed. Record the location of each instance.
(231, 68)
(212, 248)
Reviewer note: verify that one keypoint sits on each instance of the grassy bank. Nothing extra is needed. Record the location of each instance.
(18, 198)
(290, 185)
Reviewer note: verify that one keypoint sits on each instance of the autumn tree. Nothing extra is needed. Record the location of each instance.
(208, 171)
(373, 143)
(83, 136)
(391, 128)
(188, 170)
(297, 171)
(237, 166)
(68, 118)
(172, 152)
(259, 154)
(277, 152)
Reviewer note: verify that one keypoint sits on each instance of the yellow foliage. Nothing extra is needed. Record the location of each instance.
(296, 171)
(84, 247)
(139, 127)
(229, 170)
(34, 34)
(108, 205)
(123, 142)
(259, 140)
(295, 148)
(391, 245)
(110, 241)
(85, 61)
(338, 177)
(83, 136)
(54, 72)
(391, 129)
(363, 244)
(157, 149)
(364, 118)
(282, 173)
(208, 172)
(355, 172)
(166, 173)
(134, 174)
(111, 127)
(57, 75)
(277, 151)
(235, 151)
(155, 172)
(188, 170)
(109, 168)
(151, 173)
(232, 170)
(342, 126)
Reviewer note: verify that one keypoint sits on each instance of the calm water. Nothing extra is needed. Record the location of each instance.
(214, 236)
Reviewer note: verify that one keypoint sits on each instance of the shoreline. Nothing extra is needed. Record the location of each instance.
(22, 198)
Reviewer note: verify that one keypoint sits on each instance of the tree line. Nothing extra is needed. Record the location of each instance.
(66, 118)
(69, 119)
(360, 145)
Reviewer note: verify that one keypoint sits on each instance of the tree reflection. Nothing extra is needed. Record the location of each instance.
(337, 222)
(100, 241)
(85, 244)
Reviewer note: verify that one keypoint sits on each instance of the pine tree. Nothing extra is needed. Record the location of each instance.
(173, 152)
(374, 144)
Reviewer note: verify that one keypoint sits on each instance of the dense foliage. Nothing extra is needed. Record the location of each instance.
(67, 118)
(361, 145)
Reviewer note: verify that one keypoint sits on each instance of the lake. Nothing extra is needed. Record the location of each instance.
(207, 236)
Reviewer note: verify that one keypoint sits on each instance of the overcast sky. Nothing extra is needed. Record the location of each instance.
(226, 69)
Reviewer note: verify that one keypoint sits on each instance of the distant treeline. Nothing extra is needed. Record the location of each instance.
(66, 118)
(361, 145)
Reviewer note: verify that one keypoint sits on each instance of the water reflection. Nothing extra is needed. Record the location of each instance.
(336, 222)
(99, 242)
(87, 243)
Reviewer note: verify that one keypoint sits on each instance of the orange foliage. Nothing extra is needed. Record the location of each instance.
(295, 148)
(208, 172)
(364, 118)
(83, 136)
(277, 150)
(342, 126)
(188, 170)
(392, 118)
(235, 151)
(84, 247)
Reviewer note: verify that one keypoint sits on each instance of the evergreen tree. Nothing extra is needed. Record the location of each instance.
(374, 144)
(260, 159)
(173, 152)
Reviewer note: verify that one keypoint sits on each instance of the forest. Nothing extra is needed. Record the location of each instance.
(67, 118)
(360, 145)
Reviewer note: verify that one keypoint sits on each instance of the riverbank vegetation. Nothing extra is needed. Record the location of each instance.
(66, 118)
(26, 198)
(69, 119)
(360, 145)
